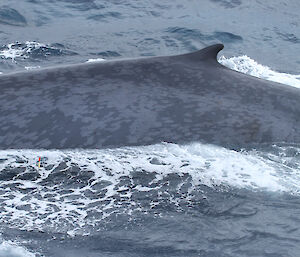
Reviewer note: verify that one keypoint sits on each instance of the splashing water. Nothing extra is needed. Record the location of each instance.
(16, 50)
(76, 190)
(31, 49)
(248, 66)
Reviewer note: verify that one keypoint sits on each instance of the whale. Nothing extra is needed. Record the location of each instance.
(130, 102)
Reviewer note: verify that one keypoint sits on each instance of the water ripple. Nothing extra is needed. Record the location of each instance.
(11, 16)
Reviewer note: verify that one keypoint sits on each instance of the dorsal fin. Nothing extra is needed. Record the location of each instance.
(208, 53)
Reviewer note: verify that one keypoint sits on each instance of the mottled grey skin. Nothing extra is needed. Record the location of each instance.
(180, 99)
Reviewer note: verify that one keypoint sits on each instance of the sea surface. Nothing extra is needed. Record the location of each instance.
(163, 199)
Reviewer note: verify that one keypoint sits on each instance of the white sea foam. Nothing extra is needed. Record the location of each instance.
(9, 249)
(32, 67)
(246, 65)
(96, 60)
(75, 190)
(11, 53)
(15, 50)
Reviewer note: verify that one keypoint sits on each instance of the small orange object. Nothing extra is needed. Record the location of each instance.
(39, 164)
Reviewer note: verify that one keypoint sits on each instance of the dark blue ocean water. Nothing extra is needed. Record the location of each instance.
(159, 200)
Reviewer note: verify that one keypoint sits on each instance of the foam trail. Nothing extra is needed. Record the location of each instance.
(246, 65)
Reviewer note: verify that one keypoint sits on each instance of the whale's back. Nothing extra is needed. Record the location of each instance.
(180, 99)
